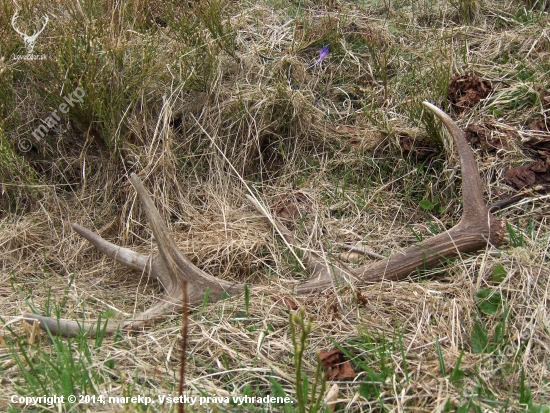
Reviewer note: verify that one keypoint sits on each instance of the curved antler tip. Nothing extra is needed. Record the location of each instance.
(251, 199)
(434, 109)
(446, 119)
(136, 182)
(82, 231)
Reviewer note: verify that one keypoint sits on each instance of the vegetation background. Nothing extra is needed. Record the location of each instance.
(199, 97)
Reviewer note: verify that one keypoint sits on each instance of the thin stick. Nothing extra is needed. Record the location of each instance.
(503, 203)
(353, 248)
(181, 406)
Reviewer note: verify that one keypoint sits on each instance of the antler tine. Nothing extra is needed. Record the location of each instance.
(178, 266)
(168, 250)
(64, 327)
(120, 254)
(472, 192)
(171, 302)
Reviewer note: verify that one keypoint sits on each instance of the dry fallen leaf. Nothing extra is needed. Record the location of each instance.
(538, 137)
(467, 90)
(486, 136)
(528, 175)
(539, 125)
(336, 366)
(292, 205)
(287, 302)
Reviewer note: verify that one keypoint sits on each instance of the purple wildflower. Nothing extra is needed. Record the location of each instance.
(323, 53)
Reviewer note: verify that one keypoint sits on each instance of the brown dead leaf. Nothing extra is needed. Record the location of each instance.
(361, 299)
(487, 137)
(539, 139)
(288, 211)
(292, 205)
(467, 90)
(336, 366)
(287, 302)
(528, 175)
(539, 124)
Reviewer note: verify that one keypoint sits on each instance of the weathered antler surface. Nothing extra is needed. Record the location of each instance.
(475, 231)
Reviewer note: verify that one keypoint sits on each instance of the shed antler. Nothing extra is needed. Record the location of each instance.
(475, 230)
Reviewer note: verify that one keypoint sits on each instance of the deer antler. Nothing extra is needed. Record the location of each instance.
(476, 229)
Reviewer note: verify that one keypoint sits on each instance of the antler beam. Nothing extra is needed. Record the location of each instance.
(477, 228)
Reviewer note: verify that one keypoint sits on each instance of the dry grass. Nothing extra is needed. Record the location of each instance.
(185, 99)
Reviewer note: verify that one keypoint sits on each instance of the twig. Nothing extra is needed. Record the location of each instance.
(181, 406)
(503, 203)
(363, 251)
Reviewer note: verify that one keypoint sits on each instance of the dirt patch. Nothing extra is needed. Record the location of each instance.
(418, 150)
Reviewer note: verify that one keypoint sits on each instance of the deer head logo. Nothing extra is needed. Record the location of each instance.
(29, 40)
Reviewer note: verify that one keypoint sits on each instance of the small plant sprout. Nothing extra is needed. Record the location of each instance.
(298, 320)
